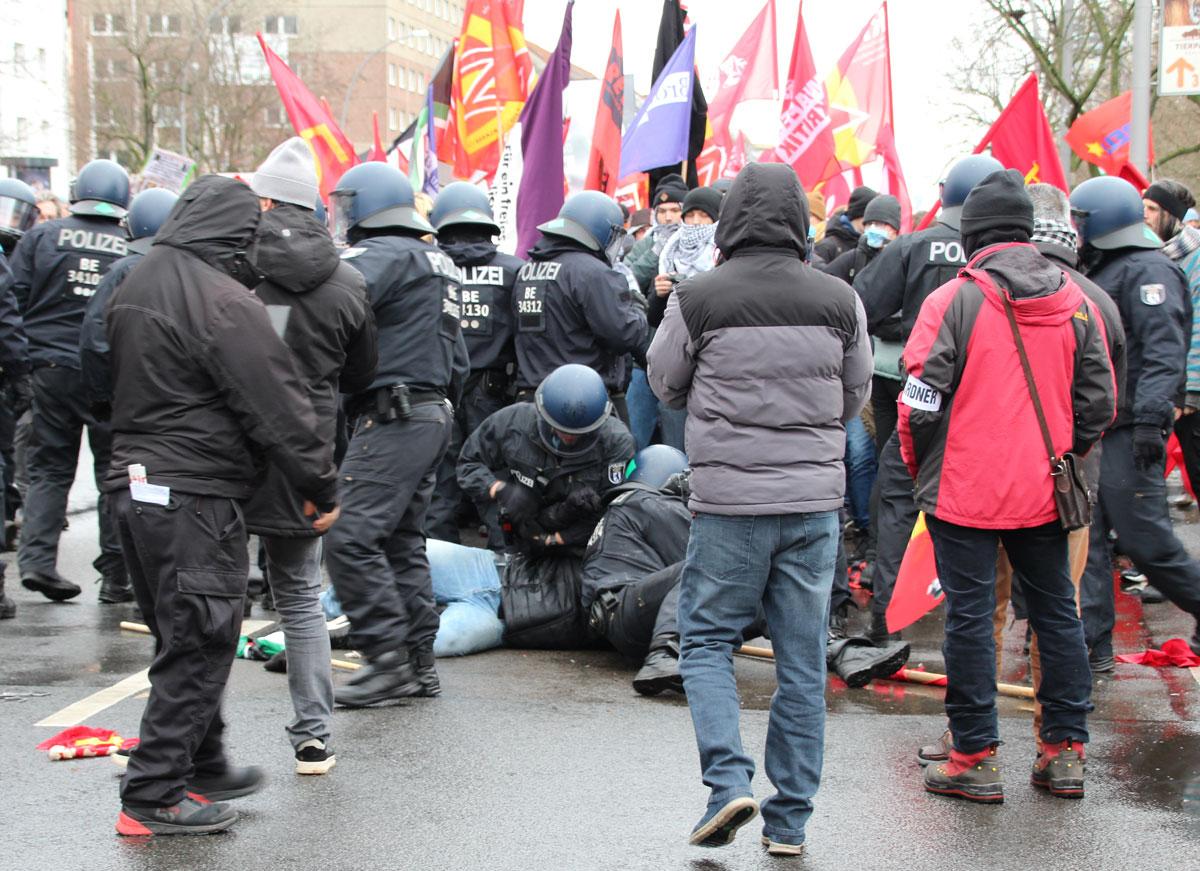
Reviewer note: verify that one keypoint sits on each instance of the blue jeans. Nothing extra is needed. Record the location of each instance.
(671, 425)
(861, 467)
(643, 408)
(785, 563)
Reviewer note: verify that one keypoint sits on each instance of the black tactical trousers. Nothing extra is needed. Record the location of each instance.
(895, 519)
(60, 414)
(375, 553)
(188, 567)
(1134, 503)
(644, 615)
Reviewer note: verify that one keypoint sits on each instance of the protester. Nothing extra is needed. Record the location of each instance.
(202, 385)
(50, 207)
(767, 406)
(640, 223)
(965, 357)
(844, 227)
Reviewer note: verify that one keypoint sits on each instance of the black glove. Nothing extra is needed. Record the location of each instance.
(582, 503)
(20, 394)
(579, 532)
(1149, 448)
(517, 501)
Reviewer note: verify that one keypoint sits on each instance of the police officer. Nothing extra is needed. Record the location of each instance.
(463, 219)
(376, 554)
(18, 214)
(897, 281)
(571, 305)
(1123, 256)
(57, 267)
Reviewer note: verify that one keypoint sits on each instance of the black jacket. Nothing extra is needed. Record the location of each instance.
(851, 262)
(488, 322)
(905, 272)
(320, 305)
(840, 237)
(414, 290)
(642, 530)
(572, 307)
(56, 269)
(507, 447)
(14, 350)
(1151, 293)
(95, 369)
(202, 385)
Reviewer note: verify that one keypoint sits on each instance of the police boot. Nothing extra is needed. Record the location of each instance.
(857, 661)
(51, 584)
(659, 672)
(386, 677)
(423, 662)
(878, 633)
(837, 622)
(8, 608)
(115, 587)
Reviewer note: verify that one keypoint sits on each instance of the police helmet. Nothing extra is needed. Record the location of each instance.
(572, 405)
(462, 204)
(963, 176)
(654, 466)
(18, 208)
(1109, 214)
(320, 214)
(147, 213)
(592, 219)
(101, 188)
(374, 196)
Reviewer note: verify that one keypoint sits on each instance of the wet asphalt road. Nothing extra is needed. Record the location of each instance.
(535, 760)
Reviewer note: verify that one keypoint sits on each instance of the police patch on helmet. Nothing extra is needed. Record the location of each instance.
(1153, 294)
(616, 473)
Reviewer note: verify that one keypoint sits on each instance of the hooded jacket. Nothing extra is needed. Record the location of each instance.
(203, 386)
(840, 237)
(770, 356)
(966, 402)
(318, 305)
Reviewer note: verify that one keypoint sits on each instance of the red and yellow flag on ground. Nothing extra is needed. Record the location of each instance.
(493, 74)
(917, 590)
(332, 151)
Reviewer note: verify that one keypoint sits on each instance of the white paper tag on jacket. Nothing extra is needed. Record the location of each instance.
(155, 494)
(919, 395)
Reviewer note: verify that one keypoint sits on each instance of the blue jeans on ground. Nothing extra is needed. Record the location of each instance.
(735, 563)
(861, 467)
(966, 564)
(643, 408)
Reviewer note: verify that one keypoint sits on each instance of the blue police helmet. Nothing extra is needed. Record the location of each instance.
(963, 176)
(320, 214)
(101, 188)
(463, 205)
(1109, 214)
(654, 465)
(572, 404)
(593, 220)
(147, 213)
(18, 207)
(374, 196)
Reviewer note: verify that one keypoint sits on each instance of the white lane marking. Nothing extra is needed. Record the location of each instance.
(1195, 673)
(77, 712)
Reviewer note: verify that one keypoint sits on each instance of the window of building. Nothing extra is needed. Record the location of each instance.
(166, 116)
(391, 27)
(393, 119)
(391, 75)
(275, 116)
(225, 24)
(282, 24)
(163, 25)
(107, 24)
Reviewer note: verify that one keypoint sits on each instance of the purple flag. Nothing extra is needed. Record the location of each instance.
(540, 193)
(659, 133)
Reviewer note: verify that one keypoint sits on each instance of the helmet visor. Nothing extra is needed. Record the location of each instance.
(16, 216)
(616, 240)
(341, 211)
(564, 444)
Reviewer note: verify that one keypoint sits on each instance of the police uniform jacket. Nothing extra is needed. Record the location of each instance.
(572, 307)
(14, 350)
(906, 271)
(56, 269)
(414, 291)
(95, 369)
(642, 531)
(488, 321)
(1151, 293)
(202, 384)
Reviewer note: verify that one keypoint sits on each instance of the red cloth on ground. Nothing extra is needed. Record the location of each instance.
(1174, 653)
(83, 741)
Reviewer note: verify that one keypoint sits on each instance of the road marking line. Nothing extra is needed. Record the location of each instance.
(1195, 673)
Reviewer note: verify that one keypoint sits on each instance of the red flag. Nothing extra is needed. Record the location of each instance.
(377, 152)
(633, 191)
(917, 590)
(1021, 138)
(605, 156)
(1101, 137)
(333, 151)
(806, 135)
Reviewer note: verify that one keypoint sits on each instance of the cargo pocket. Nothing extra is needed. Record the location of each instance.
(209, 612)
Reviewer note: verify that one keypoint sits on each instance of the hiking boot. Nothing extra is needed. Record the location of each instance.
(192, 816)
(1101, 663)
(659, 673)
(234, 782)
(1059, 768)
(313, 757)
(778, 848)
(718, 827)
(389, 676)
(424, 663)
(878, 633)
(8, 608)
(857, 662)
(973, 776)
(51, 584)
(115, 588)
(938, 751)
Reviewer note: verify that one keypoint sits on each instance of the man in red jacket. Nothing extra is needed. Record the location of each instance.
(970, 435)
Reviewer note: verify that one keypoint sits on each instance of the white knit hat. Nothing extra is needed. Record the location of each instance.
(288, 175)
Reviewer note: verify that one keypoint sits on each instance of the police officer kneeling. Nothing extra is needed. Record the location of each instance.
(376, 554)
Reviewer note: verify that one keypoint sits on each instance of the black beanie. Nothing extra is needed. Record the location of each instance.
(884, 209)
(707, 200)
(1000, 200)
(1165, 197)
(858, 201)
(671, 189)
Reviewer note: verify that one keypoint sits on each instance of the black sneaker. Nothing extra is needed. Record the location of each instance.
(339, 633)
(313, 757)
(192, 816)
(277, 664)
(659, 673)
(425, 665)
(388, 677)
(234, 782)
(52, 585)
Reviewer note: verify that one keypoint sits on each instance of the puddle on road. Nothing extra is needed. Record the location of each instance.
(1159, 765)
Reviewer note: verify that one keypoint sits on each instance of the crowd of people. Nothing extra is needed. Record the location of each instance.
(668, 432)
